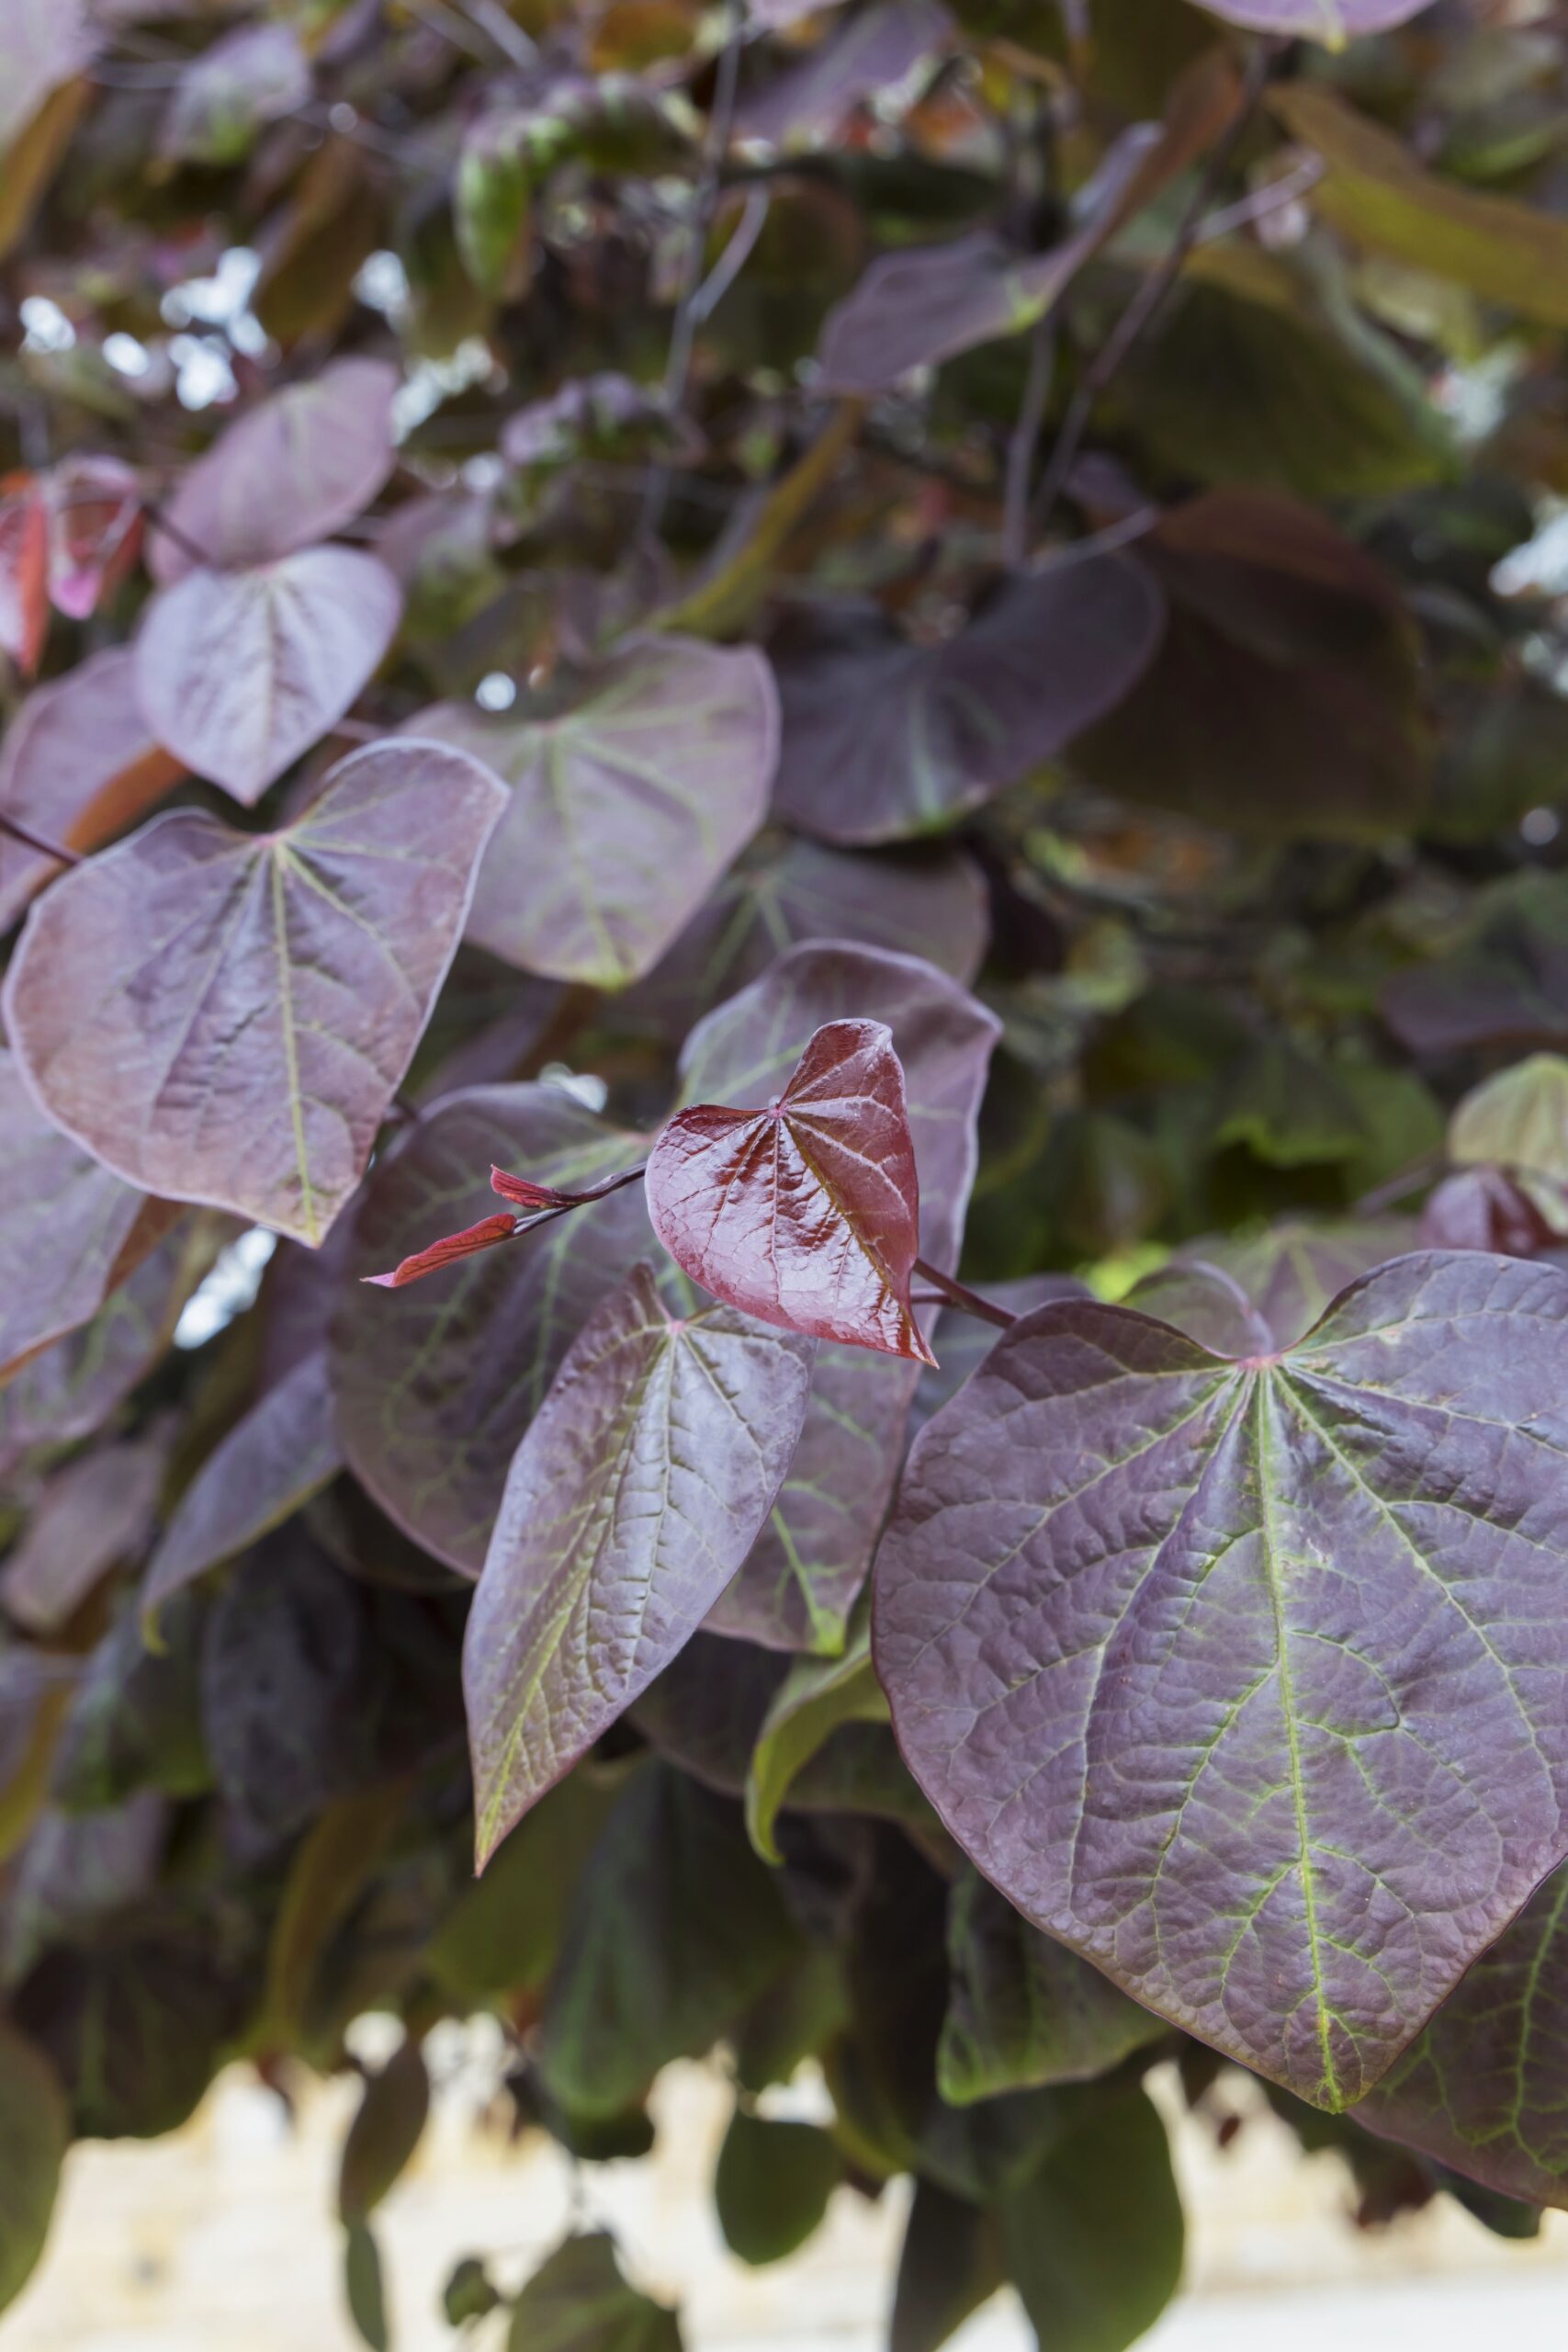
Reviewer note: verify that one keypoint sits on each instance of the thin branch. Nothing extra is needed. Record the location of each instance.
(1024, 441)
(159, 521)
(734, 257)
(509, 37)
(1248, 211)
(683, 334)
(968, 1302)
(29, 839)
(1140, 313)
(1409, 1179)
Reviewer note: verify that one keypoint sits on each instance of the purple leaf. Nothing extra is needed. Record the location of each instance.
(1481, 2088)
(1247, 1680)
(94, 531)
(273, 1460)
(437, 1385)
(251, 76)
(884, 739)
(1483, 1208)
(635, 1494)
(239, 672)
(294, 972)
(93, 1514)
(1285, 1277)
(804, 1212)
(809, 101)
(1505, 984)
(70, 1231)
(1331, 22)
(926, 901)
(967, 1343)
(78, 764)
(631, 793)
(288, 473)
(43, 44)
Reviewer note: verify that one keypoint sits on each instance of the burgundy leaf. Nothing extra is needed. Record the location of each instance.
(527, 1194)
(293, 974)
(884, 739)
(1243, 1297)
(273, 1460)
(965, 1343)
(436, 1383)
(633, 1500)
(70, 1231)
(1483, 1208)
(239, 672)
(285, 475)
(809, 101)
(488, 1234)
(77, 766)
(632, 789)
(810, 1561)
(24, 571)
(1247, 1680)
(93, 1514)
(94, 531)
(806, 1213)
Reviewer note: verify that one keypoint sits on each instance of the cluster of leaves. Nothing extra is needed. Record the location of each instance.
(954, 757)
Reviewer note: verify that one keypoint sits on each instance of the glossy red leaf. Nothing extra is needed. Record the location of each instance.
(489, 1234)
(633, 1500)
(70, 1230)
(239, 672)
(294, 972)
(632, 788)
(1246, 1679)
(438, 1382)
(287, 474)
(78, 763)
(275, 1458)
(884, 739)
(94, 531)
(804, 1212)
(24, 571)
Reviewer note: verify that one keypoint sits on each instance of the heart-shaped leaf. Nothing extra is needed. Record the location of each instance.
(78, 764)
(806, 1213)
(1247, 1679)
(884, 739)
(70, 1231)
(294, 972)
(1331, 22)
(1240, 1297)
(437, 1385)
(1481, 2088)
(285, 475)
(273, 1459)
(1519, 1120)
(635, 1496)
(632, 790)
(578, 2301)
(238, 673)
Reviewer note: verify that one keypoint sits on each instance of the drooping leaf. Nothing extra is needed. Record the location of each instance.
(911, 310)
(1024, 2010)
(1093, 2239)
(250, 77)
(42, 44)
(1381, 197)
(772, 2185)
(1481, 2087)
(332, 1865)
(295, 973)
(1288, 651)
(813, 1699)
(287, 474)
(77, 766)
(364, 2289)
(1332, 22)
(387, 2129)
(675, 1928)
(1326, 1574)
(504, 1931)
(1518, 1120)
(578, 2301)
(635, 1496)
(70, 1232)
(134, 1720)
(806, 1213)
(951, 2264)
(928, 901)
(437, 1385)
(238, 673)
(884, 739)
(95, 1513)
(34, 2132)
(632, 789)
(273, 1460)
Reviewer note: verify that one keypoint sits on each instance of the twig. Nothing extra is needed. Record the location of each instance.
(509, 37)
(1024, 440)
(734, 257)
(1121, 534)
(1140, 312)
(159, 521)
(1409, 1179)
(29, 839)
(1248, 211)
(683, 334)
(968, 1302)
